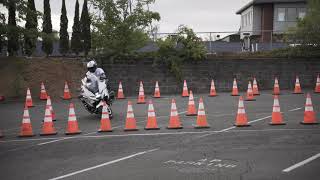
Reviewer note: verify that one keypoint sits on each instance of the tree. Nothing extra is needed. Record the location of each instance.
(118, 29)
(31, 28)
(47, 37)
(12, 33)
(76, 31)
(308, 28)
(85, 23)
(64, 36)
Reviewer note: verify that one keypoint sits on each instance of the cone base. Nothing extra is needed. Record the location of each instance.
(101, 131)
(242, 125)
(156, 97)
(141, 102)
(31, 106)
(48, 134)
(250, 99)
(120, 98)
(201, 127)
(276, 93)
(43, 98)
(156, 128)
(276, 124)
(257, 94)
(131, 129)
(234, 95)
(63, 98)
(306, 123)
(72, 133)
(297, 93)
(213, 95)
(27, 135)
(174, 127)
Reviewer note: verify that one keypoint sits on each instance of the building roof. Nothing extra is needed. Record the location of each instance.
(254, 2)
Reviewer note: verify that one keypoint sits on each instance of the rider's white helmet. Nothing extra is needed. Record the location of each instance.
(92, 66)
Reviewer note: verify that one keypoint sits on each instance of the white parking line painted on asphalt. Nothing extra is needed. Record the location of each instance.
(301, 163)
(296, 109)
(104, 164)
(26, 140)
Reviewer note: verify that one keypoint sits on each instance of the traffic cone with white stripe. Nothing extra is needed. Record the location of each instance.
(212, 89)
(157, 91)
(250, 96)
(105, 123)
(235, 91)
(297, 87)
(276, 113)
(255, 87)
(192, 111)
(185, 92)
(201, 118)
(26, 127)
(51, 108)
(48, 126)
(29, 102)
(120, 92)
(309, 114)
(43, 92)
(241, 119)
(141, 97)
(66, 92)
(174, 122)
(276, 87)
(131, 124)
(152, 120)
(317, 88)
(73, 127)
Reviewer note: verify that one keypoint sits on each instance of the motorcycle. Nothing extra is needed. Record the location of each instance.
(93, 102)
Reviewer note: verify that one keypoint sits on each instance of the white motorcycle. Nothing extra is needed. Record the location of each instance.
(93, 102)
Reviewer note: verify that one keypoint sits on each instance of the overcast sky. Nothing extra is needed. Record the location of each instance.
(201, 15)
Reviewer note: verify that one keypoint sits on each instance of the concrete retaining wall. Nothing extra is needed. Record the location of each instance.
(199, 75)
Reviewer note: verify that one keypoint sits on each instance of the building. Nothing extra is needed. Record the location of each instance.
(262, 20)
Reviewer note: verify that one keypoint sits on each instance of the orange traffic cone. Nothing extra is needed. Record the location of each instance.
(212, 89)
(185, 89)
(174, 122)
(131, 124)
(276, 113)
(201, 119)
(141, 98)
(309, 114)
(66, 92)
(235, 91)
(241, 119)
(51, 108)
(120, 92)
(191, 106)
(297, 87)
(152, 120)
(29, 102)
(105, 123)
(157, 91)
(255, 87)
(43, 92)
(47, 126)
(276, 88)
(317, 89)
(26, 127)
(250, 96)
(72, 127)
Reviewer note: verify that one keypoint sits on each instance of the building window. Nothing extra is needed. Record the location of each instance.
(281, 14)
(292, 14)
(301, 13)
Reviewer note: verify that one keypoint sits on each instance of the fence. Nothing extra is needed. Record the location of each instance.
(215, 42)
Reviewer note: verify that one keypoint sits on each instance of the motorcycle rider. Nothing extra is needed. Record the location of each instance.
(95, 75)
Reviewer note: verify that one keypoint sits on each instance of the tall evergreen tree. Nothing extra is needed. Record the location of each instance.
(47, 38)
(64, 36)
(12, 33)
(76, 31)
(31, 28)
(85, 28)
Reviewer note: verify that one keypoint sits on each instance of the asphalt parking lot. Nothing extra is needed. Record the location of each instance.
(222, 152)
